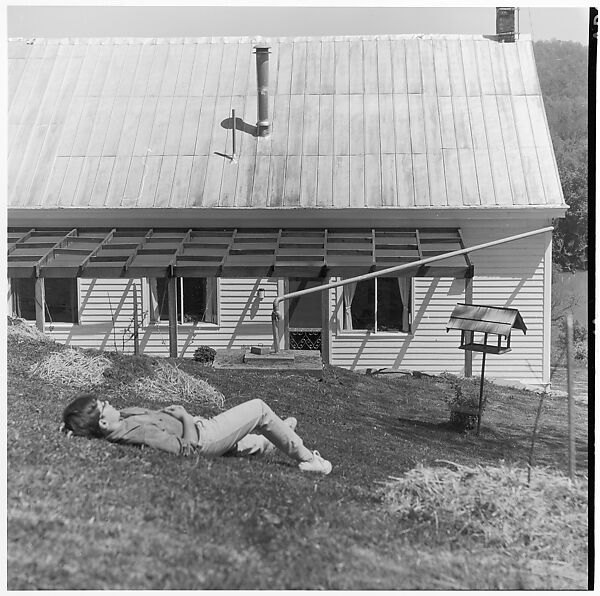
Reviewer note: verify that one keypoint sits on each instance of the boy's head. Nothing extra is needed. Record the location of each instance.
(82, 416)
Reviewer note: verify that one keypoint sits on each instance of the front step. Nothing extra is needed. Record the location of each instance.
(285, 361)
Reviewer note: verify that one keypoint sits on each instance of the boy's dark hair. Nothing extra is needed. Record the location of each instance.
(81, 416)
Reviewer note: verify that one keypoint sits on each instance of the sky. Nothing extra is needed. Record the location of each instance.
(109, 19)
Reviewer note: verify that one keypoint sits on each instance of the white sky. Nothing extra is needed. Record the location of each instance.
(110, 19)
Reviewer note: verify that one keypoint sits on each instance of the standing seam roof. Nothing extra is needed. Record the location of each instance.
(404, 121)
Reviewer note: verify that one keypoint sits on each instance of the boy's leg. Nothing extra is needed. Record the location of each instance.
(219, 434)
(253, 444)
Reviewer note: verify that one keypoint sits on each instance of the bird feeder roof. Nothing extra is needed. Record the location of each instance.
(486, 319)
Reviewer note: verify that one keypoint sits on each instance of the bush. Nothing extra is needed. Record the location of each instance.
(580, 341)
(205, 354)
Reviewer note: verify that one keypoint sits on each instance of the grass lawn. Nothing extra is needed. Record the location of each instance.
(87, 514)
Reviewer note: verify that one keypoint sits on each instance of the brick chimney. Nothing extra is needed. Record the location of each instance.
(505, 24)
(262, 83)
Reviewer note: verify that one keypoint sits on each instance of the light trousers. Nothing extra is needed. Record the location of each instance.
(231, 433)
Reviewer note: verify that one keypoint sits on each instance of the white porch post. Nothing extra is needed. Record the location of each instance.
(40, 304)
(468, 353)
(172, 289)
(325, 324)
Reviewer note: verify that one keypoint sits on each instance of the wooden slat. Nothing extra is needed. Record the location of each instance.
(341, 124)
(357, 125)
(342, 67)
(341, 180)
(417, 123)
(310, 136)
(298, 84)
(404, 180)
(324, 194)
(357, 181)
(356, 67)
(327, 85)
(453, 186)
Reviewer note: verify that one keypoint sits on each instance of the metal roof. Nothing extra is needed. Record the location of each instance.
(486, 319)
(389, 121)
(266, 252)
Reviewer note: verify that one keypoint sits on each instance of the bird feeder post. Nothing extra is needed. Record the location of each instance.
(480, 406)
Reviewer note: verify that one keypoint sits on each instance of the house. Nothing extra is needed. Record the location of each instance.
(196, 180)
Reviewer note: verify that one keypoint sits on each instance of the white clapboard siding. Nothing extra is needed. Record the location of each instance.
(510, 275)
(244, 320)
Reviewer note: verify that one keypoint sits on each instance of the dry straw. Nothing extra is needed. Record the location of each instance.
(21, 328)
(169, 384)
(73, 367)
(546, 519)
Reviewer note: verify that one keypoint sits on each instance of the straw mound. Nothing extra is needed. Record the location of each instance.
(169, 384)
(494, 505)
(21, 328)
(70, 366)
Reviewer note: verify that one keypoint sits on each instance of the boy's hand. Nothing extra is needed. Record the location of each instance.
(176, 411)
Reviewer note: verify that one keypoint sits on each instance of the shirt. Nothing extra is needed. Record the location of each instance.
(156, 429)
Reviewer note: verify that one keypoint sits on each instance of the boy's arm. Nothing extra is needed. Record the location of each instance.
(190, 432)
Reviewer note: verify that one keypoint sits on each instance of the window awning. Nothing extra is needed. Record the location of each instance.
(240, 252)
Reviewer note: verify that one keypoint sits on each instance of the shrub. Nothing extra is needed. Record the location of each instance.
(580, 340)
(204, 354)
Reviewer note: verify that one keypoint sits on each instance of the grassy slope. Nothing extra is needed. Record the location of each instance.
(92, 515)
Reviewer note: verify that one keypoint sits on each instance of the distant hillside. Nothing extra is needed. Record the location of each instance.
(563, 73)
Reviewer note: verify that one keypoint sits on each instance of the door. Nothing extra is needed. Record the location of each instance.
(304, 316)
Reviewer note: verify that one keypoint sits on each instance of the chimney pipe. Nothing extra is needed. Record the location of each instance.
(262, 82)
(505, 24)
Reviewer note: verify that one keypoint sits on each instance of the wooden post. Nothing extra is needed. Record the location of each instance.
(571, 414)
(325, 326)
(485, 335)
(40, 304)
(468, 353)
(136, 333)
(172, 291)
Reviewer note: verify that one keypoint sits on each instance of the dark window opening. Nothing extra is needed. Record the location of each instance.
(60, 297)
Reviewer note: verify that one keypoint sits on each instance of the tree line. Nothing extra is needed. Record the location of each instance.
(563, 73)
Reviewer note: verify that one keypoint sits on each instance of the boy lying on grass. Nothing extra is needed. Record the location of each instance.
(174, 430)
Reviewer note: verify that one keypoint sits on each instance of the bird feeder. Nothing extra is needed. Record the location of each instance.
(485, 321)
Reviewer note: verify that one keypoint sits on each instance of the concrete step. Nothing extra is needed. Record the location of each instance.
(250, 358)
(286, 362)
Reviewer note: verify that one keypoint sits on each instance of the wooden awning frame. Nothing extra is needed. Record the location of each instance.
(229, 252)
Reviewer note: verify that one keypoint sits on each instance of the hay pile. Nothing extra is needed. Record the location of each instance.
(72, 367)
(170, 384)
(545, 520)
(21, 328)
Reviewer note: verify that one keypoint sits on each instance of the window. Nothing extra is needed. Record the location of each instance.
(196, 300)
(61, 299)
(381, 304)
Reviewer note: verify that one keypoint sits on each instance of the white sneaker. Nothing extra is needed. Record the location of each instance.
(316, 464)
